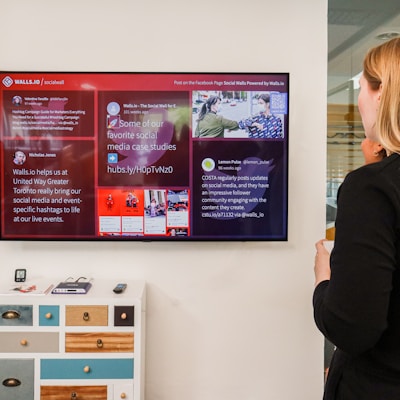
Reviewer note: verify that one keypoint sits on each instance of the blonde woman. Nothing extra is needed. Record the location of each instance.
(357, 287)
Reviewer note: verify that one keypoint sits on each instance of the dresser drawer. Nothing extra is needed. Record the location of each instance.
(123, 392)
(49, 315)
(86, 315)
(73, 392)
(16, 379)
(121, 368)
(98, 342)
(29, 342)
(124, 316)
(15, 315)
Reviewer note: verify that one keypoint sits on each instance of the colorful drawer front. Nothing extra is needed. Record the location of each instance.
(124, 316)
(49, 315)
(86, 368)
(86, 315)
(29, 342)
(73, 392)
(15, 315)
(16, 379)
(98, 342)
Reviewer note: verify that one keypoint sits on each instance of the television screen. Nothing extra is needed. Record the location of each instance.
(144, 156)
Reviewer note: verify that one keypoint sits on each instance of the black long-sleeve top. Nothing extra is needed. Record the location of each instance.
(358, 309)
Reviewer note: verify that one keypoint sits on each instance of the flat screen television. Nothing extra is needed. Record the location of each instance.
(144, 156)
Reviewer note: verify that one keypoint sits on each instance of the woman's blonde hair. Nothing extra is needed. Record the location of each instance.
(382, 72)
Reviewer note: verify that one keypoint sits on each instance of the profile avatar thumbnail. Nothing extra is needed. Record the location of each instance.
(19, 157)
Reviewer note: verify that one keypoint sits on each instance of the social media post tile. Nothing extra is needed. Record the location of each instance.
(120, 211)
(48, 113)
(44, 189)
(143, 138)
(238, 187)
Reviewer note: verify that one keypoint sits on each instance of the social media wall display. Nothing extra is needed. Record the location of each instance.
(144, 156)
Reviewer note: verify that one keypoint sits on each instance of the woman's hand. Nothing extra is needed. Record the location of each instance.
(322, 269)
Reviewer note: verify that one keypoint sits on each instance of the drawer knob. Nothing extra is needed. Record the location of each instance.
(74, 396)
(23, 342)
(11, 314)
(123, 316)
(99, 343)
(11, 382)
(86, 316)
(86, 369)
(123, 395)
(48, 315)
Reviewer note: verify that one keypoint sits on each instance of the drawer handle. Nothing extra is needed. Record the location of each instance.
(86, 369)
(123, 395)
(11, 382)
(74, 396)
(23, 342)
(11, 314)
(123, 316)
(48, 315)
(99, 343)
(86, 316)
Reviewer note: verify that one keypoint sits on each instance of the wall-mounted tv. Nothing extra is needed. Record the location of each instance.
(144, 156)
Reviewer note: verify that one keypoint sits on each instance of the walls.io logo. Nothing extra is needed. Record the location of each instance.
(7, 81)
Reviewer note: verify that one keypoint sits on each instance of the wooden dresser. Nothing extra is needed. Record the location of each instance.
(73, 346)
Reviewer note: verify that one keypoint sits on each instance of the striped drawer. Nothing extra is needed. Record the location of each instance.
(99, 342)
(73, 392)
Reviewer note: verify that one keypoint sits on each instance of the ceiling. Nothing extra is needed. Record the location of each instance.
(352, 29)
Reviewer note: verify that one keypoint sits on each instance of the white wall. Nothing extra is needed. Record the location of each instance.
(225, 320)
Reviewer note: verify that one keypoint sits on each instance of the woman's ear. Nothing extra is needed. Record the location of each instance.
(379, 92)
(377, 148)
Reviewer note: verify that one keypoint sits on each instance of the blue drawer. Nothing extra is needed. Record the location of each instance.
(15, 315)
(98, 368)
(49, 316)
